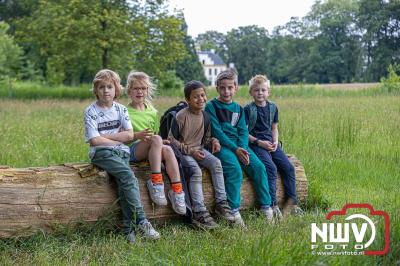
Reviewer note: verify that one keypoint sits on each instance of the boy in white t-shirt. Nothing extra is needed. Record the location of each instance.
(107, 130)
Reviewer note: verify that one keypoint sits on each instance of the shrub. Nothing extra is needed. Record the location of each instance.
(391, 83)
(169, 81)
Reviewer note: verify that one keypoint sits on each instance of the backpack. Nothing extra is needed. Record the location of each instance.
(168, 121)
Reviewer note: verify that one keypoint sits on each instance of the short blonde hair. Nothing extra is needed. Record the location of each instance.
(258, 80)
(107, 75)
(136, 76)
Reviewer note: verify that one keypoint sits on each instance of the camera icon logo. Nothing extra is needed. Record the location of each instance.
(335, 236)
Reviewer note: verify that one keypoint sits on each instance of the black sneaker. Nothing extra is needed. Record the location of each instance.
(223, 210)
(203, 220)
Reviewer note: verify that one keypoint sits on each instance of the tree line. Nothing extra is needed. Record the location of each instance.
(337, 41)
(63, 41)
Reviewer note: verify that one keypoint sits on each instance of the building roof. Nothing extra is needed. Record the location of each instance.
(214, 57)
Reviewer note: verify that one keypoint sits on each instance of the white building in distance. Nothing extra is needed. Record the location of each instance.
(212, 65)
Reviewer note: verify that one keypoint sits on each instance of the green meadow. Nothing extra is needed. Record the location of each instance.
(347, 140)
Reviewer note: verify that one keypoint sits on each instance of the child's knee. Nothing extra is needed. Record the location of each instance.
(234, 174)
(287, 169)
(257, 166)
(156, 140)
(216, 164)
(127, 178)
(197, 176)
(291, 168)
(167, 151)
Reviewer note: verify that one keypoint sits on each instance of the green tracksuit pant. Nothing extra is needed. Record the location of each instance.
(233, 176)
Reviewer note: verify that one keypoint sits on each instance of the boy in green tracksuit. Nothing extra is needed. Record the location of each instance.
(228, 125)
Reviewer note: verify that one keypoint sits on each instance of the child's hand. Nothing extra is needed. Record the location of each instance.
(145, 134)
(198, 155)
(166, 142)
(265, 144)
(215, 146)
(243, 156)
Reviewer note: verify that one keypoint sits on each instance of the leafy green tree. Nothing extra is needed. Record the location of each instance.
(288, 53)
(213, 40)
(189, 68)
(10, 10)
(157, 38)
(381, 36)
(10, 54)
(247, 48)
(337, 40)
(287, 60)
(71, 40)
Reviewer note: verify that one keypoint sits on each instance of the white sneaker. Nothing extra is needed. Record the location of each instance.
(157, 193)
(177, 201)
(131, 238)
(277, 213)
(238, 221)
(147, 230)
(269, 214)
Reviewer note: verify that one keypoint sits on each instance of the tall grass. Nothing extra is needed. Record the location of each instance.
(35, 90)
(349, 146)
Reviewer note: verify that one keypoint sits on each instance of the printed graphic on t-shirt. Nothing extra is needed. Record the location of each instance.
(235, 119)
(224, 115)
(109, 125)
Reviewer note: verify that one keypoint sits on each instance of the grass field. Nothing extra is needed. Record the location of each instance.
(349, 145)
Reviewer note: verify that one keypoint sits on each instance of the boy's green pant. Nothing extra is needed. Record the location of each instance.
(116, 163)
(233, 175)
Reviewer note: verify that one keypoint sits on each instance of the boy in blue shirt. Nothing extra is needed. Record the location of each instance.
(228, 125)
(262, 119)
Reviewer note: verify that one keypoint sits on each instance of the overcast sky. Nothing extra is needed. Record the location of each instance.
(224, 15)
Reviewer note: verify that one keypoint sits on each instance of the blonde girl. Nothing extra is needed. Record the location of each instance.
(148, 145)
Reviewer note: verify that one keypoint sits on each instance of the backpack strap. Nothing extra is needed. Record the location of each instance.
(272, 111)
(174, 125)
(207, 122)
(252, 111)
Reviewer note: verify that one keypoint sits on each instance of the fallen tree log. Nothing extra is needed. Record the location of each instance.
(36, 198)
